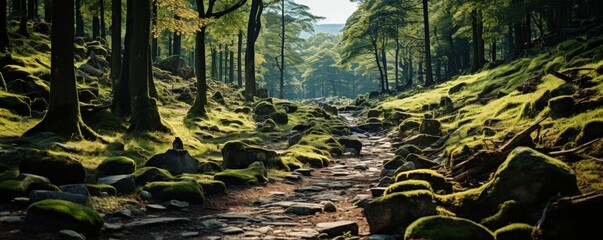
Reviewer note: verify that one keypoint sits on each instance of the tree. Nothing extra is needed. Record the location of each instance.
(198, 108)
(115, 39)
(145, 114)
(79, 19)
(254, 25)
(3, 31)
(23, 19)
(63, 116)
(428, 70)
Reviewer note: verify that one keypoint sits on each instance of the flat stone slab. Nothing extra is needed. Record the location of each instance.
(302, 235)
(310, 189)
(333, 229)
(281, 223)
(304, 209)
(231, 230)
(155, 221)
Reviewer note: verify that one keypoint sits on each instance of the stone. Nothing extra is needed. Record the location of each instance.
(431, 127)
(55, 215)
(408, 166)
(333, 229)
(124, 184)
(188, 191)
(310, 189)
(155, 221)
(113, 226)
(385, 181)
(156, 207)
(421, 140)
(231, 230)
(437, 181)
(67, 234)
(384, 214)
(116, 166)
(255, 174)
(11, 219)
(304, 209)
(362, 200)
(177, 66)
(178, 204)
(377, 191)
(351, 143)
(302, 235)
(145, 195)
(380, 237)
(40, 195)
(329, 206)
(189, 234)
(264, 229)
(175, 161)
(53, 167)
(213, 224)
(562, 106)
(304, 171)
(444, 227)
(239, 155)
(80, 189)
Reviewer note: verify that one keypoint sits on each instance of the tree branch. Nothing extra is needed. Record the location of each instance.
(228, 10)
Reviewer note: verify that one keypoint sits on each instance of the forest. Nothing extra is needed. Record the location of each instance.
(261, 119)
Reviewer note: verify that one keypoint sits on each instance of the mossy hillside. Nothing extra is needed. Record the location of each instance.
(447, 228)
(188, 191)
(86, 220)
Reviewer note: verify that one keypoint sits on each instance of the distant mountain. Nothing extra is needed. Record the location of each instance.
(324, 28)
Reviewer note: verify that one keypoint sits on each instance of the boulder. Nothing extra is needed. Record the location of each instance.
(264, 108)
(55, 215)
(280, 118)
(124, 184)
(116, 166)
(14, 103)
(431, 127)
(39, 104)
(175, 161)
(374, 113)
(40, 195)
(421, 140)
(420, 161)
(100, 189)
(562, 106)
(407, 125)
(447, 228)
(53, 167)
(393, 212)
(79, 189)
(208, 167)
(407, 149)
(515, 231)
(436, 180)
(151, 174)
(188, 191)
(509, 212)
(591, 131)
(14, 72)
(398, 117)
(394, 163)
(10, 189)
(255, 174)
(212, 187)
(334, 229)
(176, 65)
(408, 185)
(238, 155)
(351, 143)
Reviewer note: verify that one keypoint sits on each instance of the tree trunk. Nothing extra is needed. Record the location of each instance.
(528, 29)
(410, 71)
(63, 116)
(220, 62)
(154, 46)
(378, 62)
(510, 54)
(31, 10)
(385, 77)
(79, 20)
(121, 91)
(493, 49)
(145, 114)
(23, 21)
(254, 26)
(214, 63)
(16, 9)
(239, 62)
(438, 69)
(169, 45)
(95, 27)
(115, 39)
(397, 62)
(198, 108)
(102, 19)
(177, 40)
(282, 65)
(475, 66)
(480, 39)
(47, 11)
(428, 76)
(3, 30)
(231, 74)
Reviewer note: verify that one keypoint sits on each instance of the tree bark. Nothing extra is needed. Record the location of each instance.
(121, 91)
(79, 20)
(23, 21)
(154, 46)
(220, 62)
(378, 62)
(198, 108)
(115, 39)
(282, 65)
(31, 10)
(63, 116)
(493, 49)
(177, 40)
(239, 62)
(231, 74)
(3, 31)
(145, 114)
(47, 11)
(253, 30)
(95, 27)
(397, 62)
(214, 63)
(429, 75)
(385, 77)
(410, 71)
(102, 19)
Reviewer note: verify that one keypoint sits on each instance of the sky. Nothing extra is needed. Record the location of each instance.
(335, 11)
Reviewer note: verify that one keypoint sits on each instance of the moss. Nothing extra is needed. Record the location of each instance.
(515, 231)
(385, 214)
(151, 174)
(509, 212)
(447, 228)
(53, 166)
(253, 175)
(86, 220)
(116, 166)
(264, 108)
(211, 187)
(309, 155)
(10, 189)
(15, 103)
(407, 185)
(407, 149)
(436, 180)
(239, 155)
(188, 191)
(394, 163)
(562, 106)
(592, 130)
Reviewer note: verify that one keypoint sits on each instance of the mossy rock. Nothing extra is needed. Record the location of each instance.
(564, 89)
(515, 231)
(14, 103)
(591, 131)
(244, 110)
(14, 72)
(39, 104)
(457, 88)
(431, 127)
(447, 228)
(54, 167)
(397, 117)
(2, 82)
(176, 161)
(288, 107)
(151, 174)
(420, 161)
(509, 212)
(392, 213)
(208, 167)
(34, 182)
(116, 166)
(86, 96)
(10, 189)
(264, 108)
(408, 185)
(55, 215)
(374, 113)
(394, 163)
(188, 191)
(36, 88)
(238, 155)
(280, 118)
(436, 180)
(97, 189)
(212, 187)
(352, 143)
(309, 155)
(253, 175)
(421, 140)
(562, 106)
(408, 124)
(407, 149)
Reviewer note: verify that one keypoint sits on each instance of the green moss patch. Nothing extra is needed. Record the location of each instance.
(54, 215)
(436, 180)
(447, 228)
(253, 175)
(189, 191)
(151, 174)
(116, 166)
(516, 231)
(10, 189)
(393, 212)
(407, 185)
(238, 155)
(509, 212)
